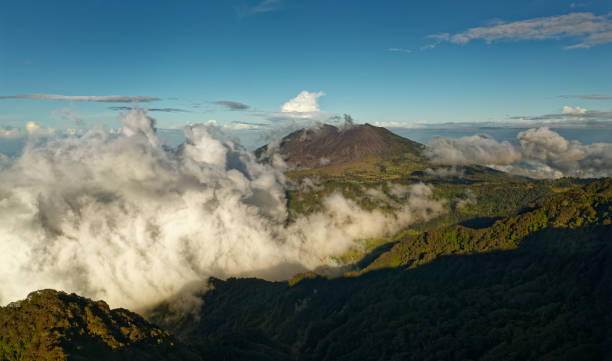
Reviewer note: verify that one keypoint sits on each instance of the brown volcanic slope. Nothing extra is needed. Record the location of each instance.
(329, 145)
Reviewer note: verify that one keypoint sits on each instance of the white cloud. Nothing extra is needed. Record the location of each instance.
(300, 112)
(469, 198)
(243, 126)
(394, 124)
(542, 153)
(475, 149)
(444, 172)
(303, 102)
(588, 28)
(124, 219)
(234, 126)
(10, 133)
(74, 132)
(35, 130)
(575, 110)
(547, 149)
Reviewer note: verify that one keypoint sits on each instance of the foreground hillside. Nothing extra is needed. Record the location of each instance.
(533, 286)
(51, 325)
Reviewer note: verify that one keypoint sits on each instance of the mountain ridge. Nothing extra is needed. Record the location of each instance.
(55, 325)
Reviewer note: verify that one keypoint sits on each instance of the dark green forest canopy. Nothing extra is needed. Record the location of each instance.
(532, 286)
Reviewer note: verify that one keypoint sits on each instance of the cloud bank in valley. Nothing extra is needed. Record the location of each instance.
(125, 219)
(479, 149)
(541, 153)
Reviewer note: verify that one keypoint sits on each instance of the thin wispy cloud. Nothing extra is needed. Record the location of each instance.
(436, 40)
(587, 28)
(165, 110)
(399, 50)
(264, 6)
(568, 117)
(235, 125)
(587, 96)
(86, 98)
(68, 114)
(571, 114)
(232, 105)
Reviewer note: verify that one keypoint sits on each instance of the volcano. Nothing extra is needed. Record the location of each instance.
(327, 145)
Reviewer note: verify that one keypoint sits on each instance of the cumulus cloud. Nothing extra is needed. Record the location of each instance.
(128, 220)
(547, 149)
(87, 98)
(36, 130)
(5, 161)
(71, 132)
(475, 149)
(299, 112)
(232, 105)
(542, 153)
(10, 133)
(573, 110)
(303, 102)
(590, 30)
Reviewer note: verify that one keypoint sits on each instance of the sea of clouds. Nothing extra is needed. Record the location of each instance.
(123, 218)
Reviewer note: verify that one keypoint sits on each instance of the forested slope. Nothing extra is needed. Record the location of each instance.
(532, 286)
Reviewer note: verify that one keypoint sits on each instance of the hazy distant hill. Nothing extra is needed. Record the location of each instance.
(327, 145)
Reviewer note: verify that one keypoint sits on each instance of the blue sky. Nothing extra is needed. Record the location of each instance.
(391, 62)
